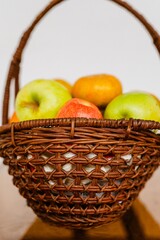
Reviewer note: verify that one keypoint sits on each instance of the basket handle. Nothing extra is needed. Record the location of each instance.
(13, 73)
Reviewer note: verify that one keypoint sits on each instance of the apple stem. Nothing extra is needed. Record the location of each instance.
(32, 105)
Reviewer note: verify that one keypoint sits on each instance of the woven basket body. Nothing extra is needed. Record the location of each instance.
(78, 173)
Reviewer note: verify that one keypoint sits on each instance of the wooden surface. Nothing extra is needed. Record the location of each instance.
(15, 216)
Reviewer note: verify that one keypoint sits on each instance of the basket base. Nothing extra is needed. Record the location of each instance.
(77, 222)
(137, 223)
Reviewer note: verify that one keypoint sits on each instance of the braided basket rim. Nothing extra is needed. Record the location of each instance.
(134, 124)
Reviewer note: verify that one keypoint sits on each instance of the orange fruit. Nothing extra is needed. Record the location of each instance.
(14, 118)
(65, 84)
(99, 89)
(155, 97)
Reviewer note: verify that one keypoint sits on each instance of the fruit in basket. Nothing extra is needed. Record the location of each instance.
(137, 105)
(13, 118)
(64, 83)
(99, 89)
(79, 108)
(40, 99)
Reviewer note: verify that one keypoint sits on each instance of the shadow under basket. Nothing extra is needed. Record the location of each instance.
(78, 173)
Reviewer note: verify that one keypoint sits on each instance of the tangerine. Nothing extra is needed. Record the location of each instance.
(99, 89)
(65, 84)
(14, 118)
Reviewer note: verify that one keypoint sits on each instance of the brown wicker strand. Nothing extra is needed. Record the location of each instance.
(15, 63)
(154, 34)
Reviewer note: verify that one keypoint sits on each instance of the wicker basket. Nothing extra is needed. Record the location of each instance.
(79, 173)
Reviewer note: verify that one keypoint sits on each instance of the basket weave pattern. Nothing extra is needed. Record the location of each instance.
(79, 173)
(80, 176)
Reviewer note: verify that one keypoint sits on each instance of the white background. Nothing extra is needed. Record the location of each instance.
(81, 37)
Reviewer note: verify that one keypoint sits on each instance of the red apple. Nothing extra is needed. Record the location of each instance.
(77, 107)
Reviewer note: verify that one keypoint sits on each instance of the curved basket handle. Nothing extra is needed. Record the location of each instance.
(13, 73)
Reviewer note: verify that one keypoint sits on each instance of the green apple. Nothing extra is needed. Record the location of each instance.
(40, 98)
(137, 105)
